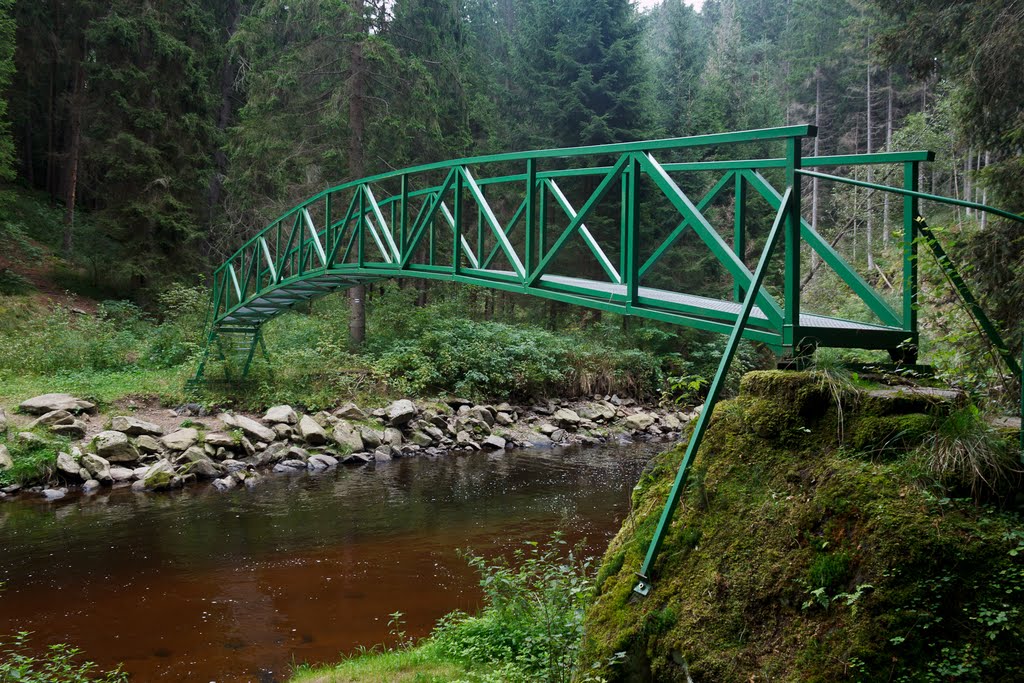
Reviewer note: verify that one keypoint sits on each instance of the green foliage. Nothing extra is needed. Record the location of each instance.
(57, 665)
(532, 623)
(7, 158)
(34, 461)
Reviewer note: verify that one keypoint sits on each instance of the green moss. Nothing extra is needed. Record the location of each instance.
(887, 435)
(915, 584)
(159, 480)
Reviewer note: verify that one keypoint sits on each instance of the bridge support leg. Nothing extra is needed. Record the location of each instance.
(645, 583)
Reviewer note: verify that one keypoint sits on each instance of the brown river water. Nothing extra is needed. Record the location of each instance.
(208, 586)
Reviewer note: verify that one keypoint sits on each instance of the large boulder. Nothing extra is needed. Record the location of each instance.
(494, 442)
(6, 462)
(250, 427)
(115, 447)
(159, 476)
(640, 421)
(121, 474)
(281, 415)
(350, 411)
(40, 405)
(311, 431)
(346, 436)
(181, 439)
(133, 426)
(54, 417)
(371, 437)
(400, 412)
(67, 464)
(97, 467)
(75, 429)
(565, 417)
(147, 444)
(321, 461)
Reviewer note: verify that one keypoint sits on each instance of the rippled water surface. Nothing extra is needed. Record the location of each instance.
(208, 586)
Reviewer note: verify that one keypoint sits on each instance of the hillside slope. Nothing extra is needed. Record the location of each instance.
(795, 558)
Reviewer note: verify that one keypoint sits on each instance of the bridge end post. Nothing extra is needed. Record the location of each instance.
(791, 317)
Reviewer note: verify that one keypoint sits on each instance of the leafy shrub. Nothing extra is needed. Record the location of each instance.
(33, 461)
(57, 665)
(532, 624)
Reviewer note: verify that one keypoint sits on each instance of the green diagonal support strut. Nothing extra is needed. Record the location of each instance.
(644, 586)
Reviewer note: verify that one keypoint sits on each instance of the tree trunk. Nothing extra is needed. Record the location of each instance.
(984, 199)
(814, 182)
(74, 151)
(888, 148)
(868, 232)
(356, 163)
(220, 158)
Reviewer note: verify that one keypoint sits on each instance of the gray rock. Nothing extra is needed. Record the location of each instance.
(350, 411)
(672, 422)
(40, 405)
(225, 484)
(421, 438)
(346, 436)
(371, 437)
(233, 466)
(504, 408)
(494, 442)
(53, 494)
(97, 467)
(400, 412)
(133, 426)
(283, 431)
(121, 474)
(564, 417)
(296, 453)
(115, 447)
(29, 439)
(220, 440)
(547, 429)
(4, 421)
(281, 415)
(393, 437)
(463, 437)
(202, 469)
(356, 459)
(559, 435)
(181, 439)
(91, 485)
(311, 431)
(383, 454)
(147, 444)
(159, 476)
(54, 417)
(76, 429)
(140, 472)
(290, 466)
(68, 465)
(321, 461)
(503, 419)
(253, 429)
(483, 413)
(640, 421)
(6, 462)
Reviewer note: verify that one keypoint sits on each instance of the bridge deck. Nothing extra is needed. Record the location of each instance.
(268, 305)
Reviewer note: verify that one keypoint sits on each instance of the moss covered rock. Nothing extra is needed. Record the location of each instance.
(794, 557)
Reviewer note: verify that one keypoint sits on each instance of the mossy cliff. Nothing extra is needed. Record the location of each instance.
(799, 556)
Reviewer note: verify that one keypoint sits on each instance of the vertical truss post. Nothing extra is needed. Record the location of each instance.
(739, 239)
(631, 244)
(361, 248)
(791, 316)
(330, 234)
(704, 419)
(404, 216)
(910, 281)
(624, 219)
(479, 223)
(457, 228)
(542, 221)
(531, 198)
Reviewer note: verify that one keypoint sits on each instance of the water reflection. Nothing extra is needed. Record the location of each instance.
(202, 585)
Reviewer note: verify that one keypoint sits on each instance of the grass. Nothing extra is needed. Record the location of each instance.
(101, 386)
(33, 462)
(427, 663)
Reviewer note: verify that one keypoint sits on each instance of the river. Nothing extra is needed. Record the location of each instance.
(206, 586)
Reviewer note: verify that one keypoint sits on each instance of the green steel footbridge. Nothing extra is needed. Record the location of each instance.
(505, 221)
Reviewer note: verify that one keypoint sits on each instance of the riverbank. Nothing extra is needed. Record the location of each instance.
(54, 444)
